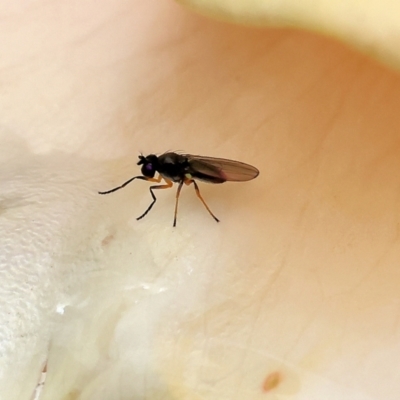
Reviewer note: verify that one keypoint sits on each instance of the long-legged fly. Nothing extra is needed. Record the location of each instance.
(185, 169)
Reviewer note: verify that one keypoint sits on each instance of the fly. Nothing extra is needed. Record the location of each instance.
(185, 169)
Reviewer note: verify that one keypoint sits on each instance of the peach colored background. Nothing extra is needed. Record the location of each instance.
(300, 278)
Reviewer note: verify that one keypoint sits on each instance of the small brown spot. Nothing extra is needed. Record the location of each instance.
(107, 240)
(73, 395)
(272, 381)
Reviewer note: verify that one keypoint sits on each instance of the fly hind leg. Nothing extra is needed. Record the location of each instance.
(196, 188)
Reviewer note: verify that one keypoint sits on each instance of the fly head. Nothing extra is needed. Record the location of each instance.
(149, 165)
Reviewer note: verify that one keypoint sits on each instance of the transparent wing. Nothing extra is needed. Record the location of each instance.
(219, 170)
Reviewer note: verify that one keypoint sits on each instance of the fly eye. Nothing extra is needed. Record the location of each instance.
(149, 167)
(148, 170)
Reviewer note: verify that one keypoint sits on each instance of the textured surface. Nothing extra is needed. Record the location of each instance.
(371, 25)
(299, 279)
(41, 200)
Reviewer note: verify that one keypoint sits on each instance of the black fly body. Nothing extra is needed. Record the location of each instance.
(186, 169)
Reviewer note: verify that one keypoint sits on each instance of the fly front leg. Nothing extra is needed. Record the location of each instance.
(143, 178)
(166, 186)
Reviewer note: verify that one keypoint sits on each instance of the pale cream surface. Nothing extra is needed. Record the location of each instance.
(370, 25)
(294, 295)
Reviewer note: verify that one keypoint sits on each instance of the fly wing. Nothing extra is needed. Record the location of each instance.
(219, 170)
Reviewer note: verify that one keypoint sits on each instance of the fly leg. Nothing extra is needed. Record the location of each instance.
(166, 186)
(178, 192)
(143, 178)
(196, 188)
